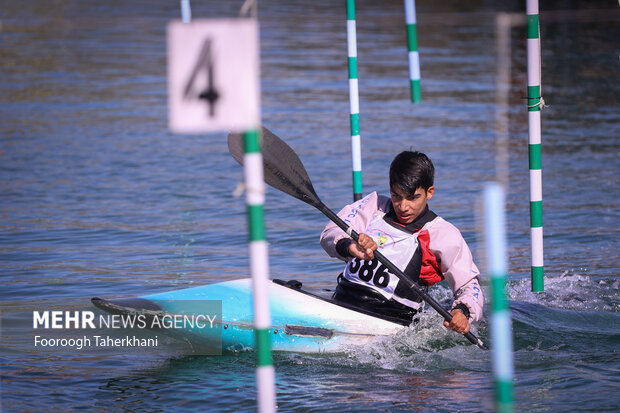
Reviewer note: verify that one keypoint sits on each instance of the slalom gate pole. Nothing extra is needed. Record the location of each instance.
(259, 269)
(356, 144)
(414, 56)
(501, 325)
(259, 259)
(503, 26)
(535, 103)
(186, 11)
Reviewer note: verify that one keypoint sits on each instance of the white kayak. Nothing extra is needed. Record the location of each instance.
(301, 321)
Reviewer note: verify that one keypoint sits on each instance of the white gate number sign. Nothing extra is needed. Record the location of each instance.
(213, 75)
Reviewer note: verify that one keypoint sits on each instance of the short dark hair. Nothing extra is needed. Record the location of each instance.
(410, 171)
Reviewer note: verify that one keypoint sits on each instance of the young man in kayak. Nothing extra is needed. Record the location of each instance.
(424, 246)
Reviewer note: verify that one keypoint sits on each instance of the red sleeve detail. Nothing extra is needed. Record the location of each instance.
(430, 272)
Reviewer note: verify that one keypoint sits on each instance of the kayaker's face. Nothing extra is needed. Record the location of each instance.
(407, 207)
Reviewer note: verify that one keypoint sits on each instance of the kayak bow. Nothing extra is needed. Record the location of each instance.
(301, 321)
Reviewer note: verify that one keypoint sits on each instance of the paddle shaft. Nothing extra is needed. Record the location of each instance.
(398, 273)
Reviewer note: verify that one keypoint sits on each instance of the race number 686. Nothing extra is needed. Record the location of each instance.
(370, 270)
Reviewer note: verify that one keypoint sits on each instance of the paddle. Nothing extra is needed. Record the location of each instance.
(284, 171)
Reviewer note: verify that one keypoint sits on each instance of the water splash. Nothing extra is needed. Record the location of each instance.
(424, 346)
(570, 291)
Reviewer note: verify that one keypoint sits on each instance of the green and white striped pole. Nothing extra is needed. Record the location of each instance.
(259, 269)
(414, 56)
(501, 325)
(354, 102)
(246, 32)
(534, 107)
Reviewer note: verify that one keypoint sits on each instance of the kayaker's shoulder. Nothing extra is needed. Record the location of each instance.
(444, 231)
(370, 201)
(373, 203)
(383, 202)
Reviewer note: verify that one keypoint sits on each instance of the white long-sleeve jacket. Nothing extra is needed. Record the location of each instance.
(445, 252)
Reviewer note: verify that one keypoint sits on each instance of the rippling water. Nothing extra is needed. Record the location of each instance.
(98, 199)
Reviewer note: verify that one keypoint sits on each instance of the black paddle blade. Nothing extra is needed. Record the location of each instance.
(282, 169)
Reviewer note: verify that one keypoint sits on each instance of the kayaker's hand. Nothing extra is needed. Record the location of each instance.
(459, 322)
(363, 248)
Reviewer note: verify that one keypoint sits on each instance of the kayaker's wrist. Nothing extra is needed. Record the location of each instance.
(342, 247)
(464, 309)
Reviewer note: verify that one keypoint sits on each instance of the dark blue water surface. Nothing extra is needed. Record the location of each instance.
(97, 198)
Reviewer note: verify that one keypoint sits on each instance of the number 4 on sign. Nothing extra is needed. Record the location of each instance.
(213, 76)
(210, 94)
